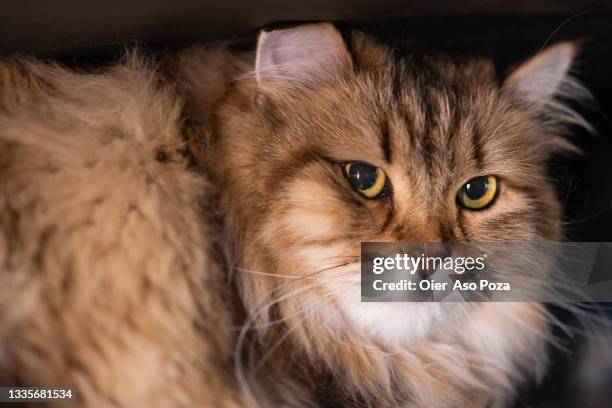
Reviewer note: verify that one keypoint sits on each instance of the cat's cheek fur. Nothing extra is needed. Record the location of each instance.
(311, 212)
(391, 323)
(522, 355)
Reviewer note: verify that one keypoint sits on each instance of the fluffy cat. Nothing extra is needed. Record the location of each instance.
(110, 282)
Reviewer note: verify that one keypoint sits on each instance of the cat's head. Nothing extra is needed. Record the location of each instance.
(333, 142)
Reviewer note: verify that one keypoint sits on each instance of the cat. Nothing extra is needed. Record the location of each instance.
(119, 187)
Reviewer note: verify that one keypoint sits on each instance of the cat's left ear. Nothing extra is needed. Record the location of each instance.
(545, 76)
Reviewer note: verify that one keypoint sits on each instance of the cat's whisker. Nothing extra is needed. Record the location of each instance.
(295, 277)
(242, 377)
(273, 275)
(276, 322)
(262, 309)
(556, 294)
(585, 219)
(270, 352)
(307, 276)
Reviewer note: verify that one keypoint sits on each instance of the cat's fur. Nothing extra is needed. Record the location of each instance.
(106, 281)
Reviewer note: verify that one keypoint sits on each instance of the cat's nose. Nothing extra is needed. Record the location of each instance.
(424, 273)
(433, 250)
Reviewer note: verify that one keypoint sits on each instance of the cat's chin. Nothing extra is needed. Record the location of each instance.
(393, 323)
(398, 323)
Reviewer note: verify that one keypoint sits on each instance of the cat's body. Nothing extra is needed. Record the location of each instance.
(271, 130)
(106, 282)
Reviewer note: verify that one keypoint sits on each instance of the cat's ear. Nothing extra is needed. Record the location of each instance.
(545, 76)
(301, 55)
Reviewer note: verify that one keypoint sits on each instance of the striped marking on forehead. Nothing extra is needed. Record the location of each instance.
(434, 112)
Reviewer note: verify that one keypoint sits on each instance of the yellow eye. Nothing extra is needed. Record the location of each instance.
(367, 180)
(478, 193)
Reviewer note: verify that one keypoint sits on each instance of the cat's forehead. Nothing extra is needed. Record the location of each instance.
(401, 103)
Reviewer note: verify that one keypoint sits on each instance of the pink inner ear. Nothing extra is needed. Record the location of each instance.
(542, 77)
(303, 54)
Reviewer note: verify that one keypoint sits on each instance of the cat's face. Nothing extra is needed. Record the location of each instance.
(327, 149)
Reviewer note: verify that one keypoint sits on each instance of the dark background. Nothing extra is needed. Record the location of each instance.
(86, 34)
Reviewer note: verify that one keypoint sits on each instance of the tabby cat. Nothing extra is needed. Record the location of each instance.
(120, 189)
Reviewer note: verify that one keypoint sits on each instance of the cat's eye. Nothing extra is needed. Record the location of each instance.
(369, 181)
(478, 193)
